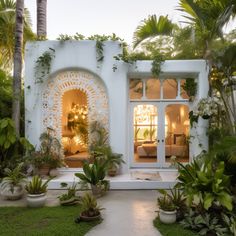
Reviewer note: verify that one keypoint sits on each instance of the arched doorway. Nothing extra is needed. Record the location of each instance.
(79, 90)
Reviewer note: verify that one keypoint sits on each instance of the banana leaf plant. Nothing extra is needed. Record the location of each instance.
(93, 173)
(205, 184)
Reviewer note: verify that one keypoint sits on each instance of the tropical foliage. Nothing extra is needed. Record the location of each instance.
(37, 185)
(12, 147)
(7, 31)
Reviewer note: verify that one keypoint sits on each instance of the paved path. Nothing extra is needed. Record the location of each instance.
(127, 213)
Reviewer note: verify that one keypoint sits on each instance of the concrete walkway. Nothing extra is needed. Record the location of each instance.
(127, 213)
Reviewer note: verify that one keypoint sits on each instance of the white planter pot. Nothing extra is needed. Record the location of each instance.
(167, 217)
(15, 195)
(36, 200)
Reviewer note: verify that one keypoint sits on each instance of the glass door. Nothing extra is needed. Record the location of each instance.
(176, 134)
(146, 132)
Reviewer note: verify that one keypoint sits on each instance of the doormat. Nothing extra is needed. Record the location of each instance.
(144, 175)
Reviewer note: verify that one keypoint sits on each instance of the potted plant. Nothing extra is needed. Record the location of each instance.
(178, 199)
(94, 174)
(114, 162)
(167, 212)
(48, 158)
(11, 185)
(90, 209)
(36, 190)
(69, 198)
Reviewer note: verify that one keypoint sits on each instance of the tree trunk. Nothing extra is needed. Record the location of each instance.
(42, 19)
(17, 70)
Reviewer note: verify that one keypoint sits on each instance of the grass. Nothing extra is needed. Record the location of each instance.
(46, 221)
(172, 229)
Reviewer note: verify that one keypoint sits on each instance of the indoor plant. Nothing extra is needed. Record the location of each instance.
(36, 189)
(167, 211)
(90, 209)
(94, 174)
(11, 185)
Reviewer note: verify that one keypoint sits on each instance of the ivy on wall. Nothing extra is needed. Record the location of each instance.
(43, 65)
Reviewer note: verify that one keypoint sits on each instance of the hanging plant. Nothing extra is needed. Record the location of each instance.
(43, 65)
(190, 86)
(158, 60)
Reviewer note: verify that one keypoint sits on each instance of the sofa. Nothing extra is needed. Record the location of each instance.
(150, 150)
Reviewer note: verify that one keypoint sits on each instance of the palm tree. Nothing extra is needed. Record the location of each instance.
(208, 17)
(17, 70)
(153, 27)
(41, 19)
(7, 32)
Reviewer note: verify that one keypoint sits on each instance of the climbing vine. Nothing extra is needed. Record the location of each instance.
(100, 39)
(190, 86)
(43, 65)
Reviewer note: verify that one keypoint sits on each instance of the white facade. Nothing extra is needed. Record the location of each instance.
(77, 60)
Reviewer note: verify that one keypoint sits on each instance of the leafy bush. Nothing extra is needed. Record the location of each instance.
(225, 150)
(204, 224)
(6, 95)
(205, 184)
(12, 148)
(49, 152)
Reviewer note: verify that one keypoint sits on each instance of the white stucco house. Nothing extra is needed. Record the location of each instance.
(146, 118)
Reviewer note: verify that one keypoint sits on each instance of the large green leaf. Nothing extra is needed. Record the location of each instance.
(226, 200)
(208, 200)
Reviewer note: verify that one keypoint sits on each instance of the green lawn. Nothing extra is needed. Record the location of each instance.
(46, 221)
(172, 229)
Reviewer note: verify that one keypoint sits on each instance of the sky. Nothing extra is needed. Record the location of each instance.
(89, 17)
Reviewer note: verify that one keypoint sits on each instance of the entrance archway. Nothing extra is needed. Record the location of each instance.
(87, 83)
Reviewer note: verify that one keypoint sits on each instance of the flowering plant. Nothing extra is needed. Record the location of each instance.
(206, 108)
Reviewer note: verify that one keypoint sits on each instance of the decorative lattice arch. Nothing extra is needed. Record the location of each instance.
(69, 80)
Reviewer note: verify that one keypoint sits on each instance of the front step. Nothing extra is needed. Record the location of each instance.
(122, 182)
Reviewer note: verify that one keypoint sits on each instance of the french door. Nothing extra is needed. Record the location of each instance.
(158, 133)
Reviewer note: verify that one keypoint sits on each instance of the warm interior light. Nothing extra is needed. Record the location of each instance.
(173, 125)
(145, 114)
(182, 112)
(186, 122)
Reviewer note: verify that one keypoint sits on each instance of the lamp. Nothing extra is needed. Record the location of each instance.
(186, 122)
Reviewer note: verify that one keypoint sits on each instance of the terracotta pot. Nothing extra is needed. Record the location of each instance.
(167, 217)
(90, 218)
(15, 195)
(112, 172)
(36, 200)
(44, 170)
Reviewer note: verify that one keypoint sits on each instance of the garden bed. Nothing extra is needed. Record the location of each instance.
(46, 221)
(172, 229)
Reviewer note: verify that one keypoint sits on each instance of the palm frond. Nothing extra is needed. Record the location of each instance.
(152, 27)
